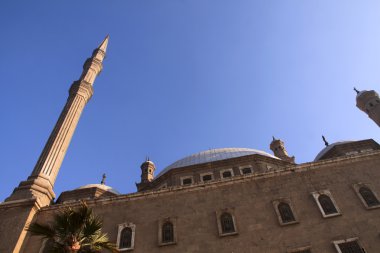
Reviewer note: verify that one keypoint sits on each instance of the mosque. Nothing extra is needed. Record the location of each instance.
(229, 200)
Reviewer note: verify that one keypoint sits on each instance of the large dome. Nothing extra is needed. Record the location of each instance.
(213, 155)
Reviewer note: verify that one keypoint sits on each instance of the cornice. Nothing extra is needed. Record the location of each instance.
(235, 180)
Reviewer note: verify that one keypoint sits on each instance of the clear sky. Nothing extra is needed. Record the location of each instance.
(180, 77)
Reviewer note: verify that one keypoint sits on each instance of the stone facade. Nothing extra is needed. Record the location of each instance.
(251, 197)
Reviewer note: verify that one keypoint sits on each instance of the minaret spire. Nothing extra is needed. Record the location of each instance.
(104, 44)
(41, 181)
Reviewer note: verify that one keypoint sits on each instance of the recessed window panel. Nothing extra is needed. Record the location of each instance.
(187, 181)
(226, 174)
(206, 178)
(368, 196)
(350, 247)
(246, 171)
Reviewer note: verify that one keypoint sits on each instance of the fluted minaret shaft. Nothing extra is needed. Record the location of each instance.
(42, 179)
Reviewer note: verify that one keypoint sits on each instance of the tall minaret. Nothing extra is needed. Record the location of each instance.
(278, 148)
(369, 102)
(41, 181)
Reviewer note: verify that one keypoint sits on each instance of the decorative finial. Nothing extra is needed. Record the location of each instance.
(103, 179)
(273, 138)
(324, 139)
(147, 159)
(357, 92)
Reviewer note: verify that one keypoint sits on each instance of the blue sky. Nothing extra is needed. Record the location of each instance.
(180, 77)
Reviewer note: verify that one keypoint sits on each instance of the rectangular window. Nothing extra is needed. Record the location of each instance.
(207, 177)
(349, 246)
(246, 171)
(227, 173)
(186, 180)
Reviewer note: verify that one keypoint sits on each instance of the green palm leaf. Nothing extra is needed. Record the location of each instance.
(77, 229)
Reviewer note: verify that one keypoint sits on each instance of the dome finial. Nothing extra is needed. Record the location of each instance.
(103, 182)
(356, 90)
(324, 140)
(273, 138)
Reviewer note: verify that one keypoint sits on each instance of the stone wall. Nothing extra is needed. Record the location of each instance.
(250, 197)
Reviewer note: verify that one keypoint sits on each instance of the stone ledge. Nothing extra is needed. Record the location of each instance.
(237, 179)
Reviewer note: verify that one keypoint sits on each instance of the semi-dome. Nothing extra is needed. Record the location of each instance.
(100, 186)
(213, 155)
(329, 147)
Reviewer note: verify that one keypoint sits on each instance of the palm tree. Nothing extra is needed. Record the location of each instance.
(73, 231)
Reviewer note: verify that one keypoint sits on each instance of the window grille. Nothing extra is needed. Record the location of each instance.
(207, 178)
(327, 204)
(368, 196)
(246, 171)
(187, 181)
(227, 223)
(286, 212)
(167, 232)
(350, 247)
(227, 174)
(125, 238)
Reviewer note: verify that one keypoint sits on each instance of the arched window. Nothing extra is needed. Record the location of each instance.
(167, 232)
(368, 196)
(285, 212)
(227, 223)
(125, 238)
(327, 204)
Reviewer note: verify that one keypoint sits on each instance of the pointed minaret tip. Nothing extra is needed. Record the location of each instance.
(103, 45)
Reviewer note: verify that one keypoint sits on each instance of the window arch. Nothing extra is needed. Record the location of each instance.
(286, 212)
(327, 204)
(167, 232)
(227, 223)
(368, 196)
(125, 238)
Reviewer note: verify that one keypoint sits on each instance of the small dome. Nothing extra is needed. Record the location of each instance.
(100, 186)
(148, 162)
(326, 149)
(213, 155)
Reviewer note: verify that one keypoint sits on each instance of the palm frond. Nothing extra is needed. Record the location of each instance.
(46, 231)
(72, 226)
